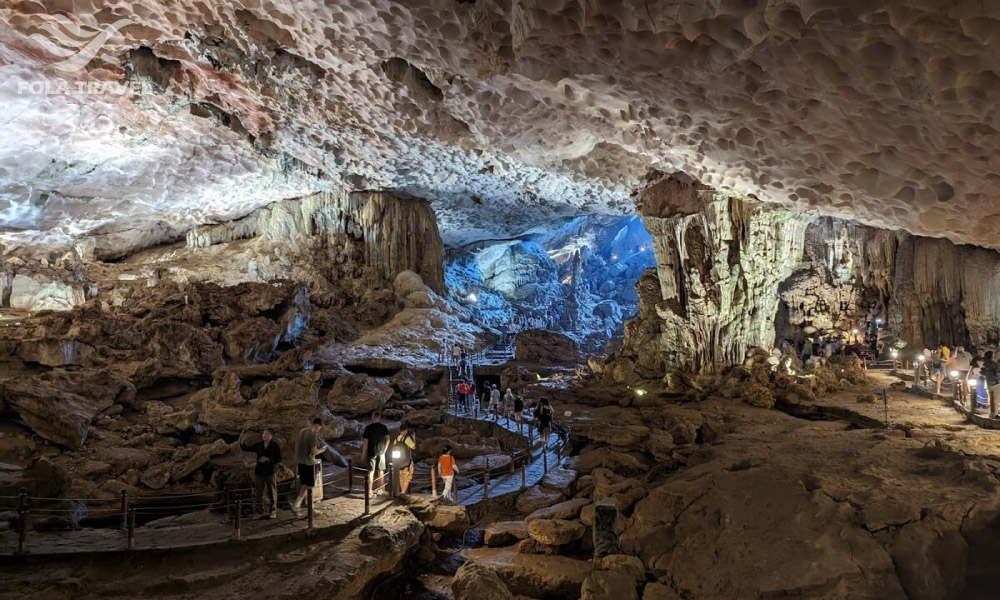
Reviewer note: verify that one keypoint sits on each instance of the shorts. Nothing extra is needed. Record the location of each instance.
(405, 476)
(376, 463)
(307, 475)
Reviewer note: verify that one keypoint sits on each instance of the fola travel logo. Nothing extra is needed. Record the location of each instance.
(76, 45)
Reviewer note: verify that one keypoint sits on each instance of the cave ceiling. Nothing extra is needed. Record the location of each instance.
(506, 114)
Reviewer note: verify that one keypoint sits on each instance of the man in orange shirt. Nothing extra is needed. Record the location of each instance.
(447, 469)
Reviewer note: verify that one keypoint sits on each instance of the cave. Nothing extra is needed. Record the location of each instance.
(482, 299)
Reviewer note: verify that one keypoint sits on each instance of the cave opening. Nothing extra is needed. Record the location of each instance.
(577, 279)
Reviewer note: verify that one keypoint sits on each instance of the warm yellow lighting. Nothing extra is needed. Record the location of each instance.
(954, 373)
(640, 392)
(921, 357)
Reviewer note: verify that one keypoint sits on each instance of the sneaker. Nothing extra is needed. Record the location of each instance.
(273, 515)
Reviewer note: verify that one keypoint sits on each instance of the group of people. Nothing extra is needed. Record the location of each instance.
(380, 451)
(974, 375)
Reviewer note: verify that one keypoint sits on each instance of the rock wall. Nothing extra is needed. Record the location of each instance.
(719, 269)
(945, 293)
(846, 270)
(388, 232)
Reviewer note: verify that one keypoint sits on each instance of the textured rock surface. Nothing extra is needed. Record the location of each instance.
(859, 109)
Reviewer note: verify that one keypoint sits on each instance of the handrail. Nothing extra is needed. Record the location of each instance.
(231, 501)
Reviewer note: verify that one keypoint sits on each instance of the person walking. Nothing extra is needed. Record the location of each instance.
(495, 396)
(494, 406)
(376, 442)
(308, 446)
(462, 389)
(447, 468)
(942, 356)
(518, 410)
(402, 457)
(265, 481)
(962, 362)
(543, 418)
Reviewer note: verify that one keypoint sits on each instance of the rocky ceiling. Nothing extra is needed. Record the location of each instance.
(506, 113)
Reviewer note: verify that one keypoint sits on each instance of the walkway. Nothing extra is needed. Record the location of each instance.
(341, 510)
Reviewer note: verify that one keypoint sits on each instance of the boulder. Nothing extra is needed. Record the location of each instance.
(407, 383)
(535, 498)
(626, 563)
(609, 585)
(559, 478)
(759, 396)
(55, 353)
(422, 418)
(683, 431)
(625, 491)
(570, 509)
(533, 575)
(198, 459)
(448, 519)
(544, 347)
(251, 341)
(157, 476)
(625, 436)
(357, 394)
(660, 444)
(555, 532)
(474, 581)
(505, 533)
(60, 405)
(40, 292)
(608, 458)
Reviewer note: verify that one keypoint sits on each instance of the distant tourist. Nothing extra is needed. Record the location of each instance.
(941, 358)
(402, 457)
(518, 409)
(376, 442)
(456, 354)
(494, 395)
(447, 468)
(493, 408)
(991, 373)
(543, 419)
(962, 362)
(265, 481)
(308, 446)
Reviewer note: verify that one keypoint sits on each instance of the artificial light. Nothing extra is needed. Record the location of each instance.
(894, 353)
(854, 331)
(921, 357)
(954, 373)
(473, 298)
(973, 383)
(396, 454)
(640, 392)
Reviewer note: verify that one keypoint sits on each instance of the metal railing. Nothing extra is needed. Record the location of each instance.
(233, 504)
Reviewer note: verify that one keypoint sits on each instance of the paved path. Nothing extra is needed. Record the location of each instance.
(507, 482)
(207, 528)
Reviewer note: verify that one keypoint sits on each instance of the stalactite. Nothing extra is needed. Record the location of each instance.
(394, 232)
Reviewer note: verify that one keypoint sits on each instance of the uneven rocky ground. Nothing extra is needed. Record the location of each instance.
(719, 499)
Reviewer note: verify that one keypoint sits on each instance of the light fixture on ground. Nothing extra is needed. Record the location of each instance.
(472, 297)
(640, 392)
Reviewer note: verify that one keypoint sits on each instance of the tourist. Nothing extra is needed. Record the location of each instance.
(470, 398)
(518, 409)
(463, 389)
(308, 446)
(376, 442)
(942, 357)
(456, 354)
(265, 481)
(402, 457)
(493, 405)
(991, 373)
(543, 419)
(447, 468)
(961, 362)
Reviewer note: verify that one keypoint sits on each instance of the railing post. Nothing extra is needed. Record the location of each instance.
(368, 494)
(350, 474)
(23, 499)
(390, 482)
(513, 459)
(310, 511)
(545, 459)
(486, 485)
(237, 521)
(434, 482)
(124, 511)
(524, 476)
(130, 544)
(22, 531)
(225, 500)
